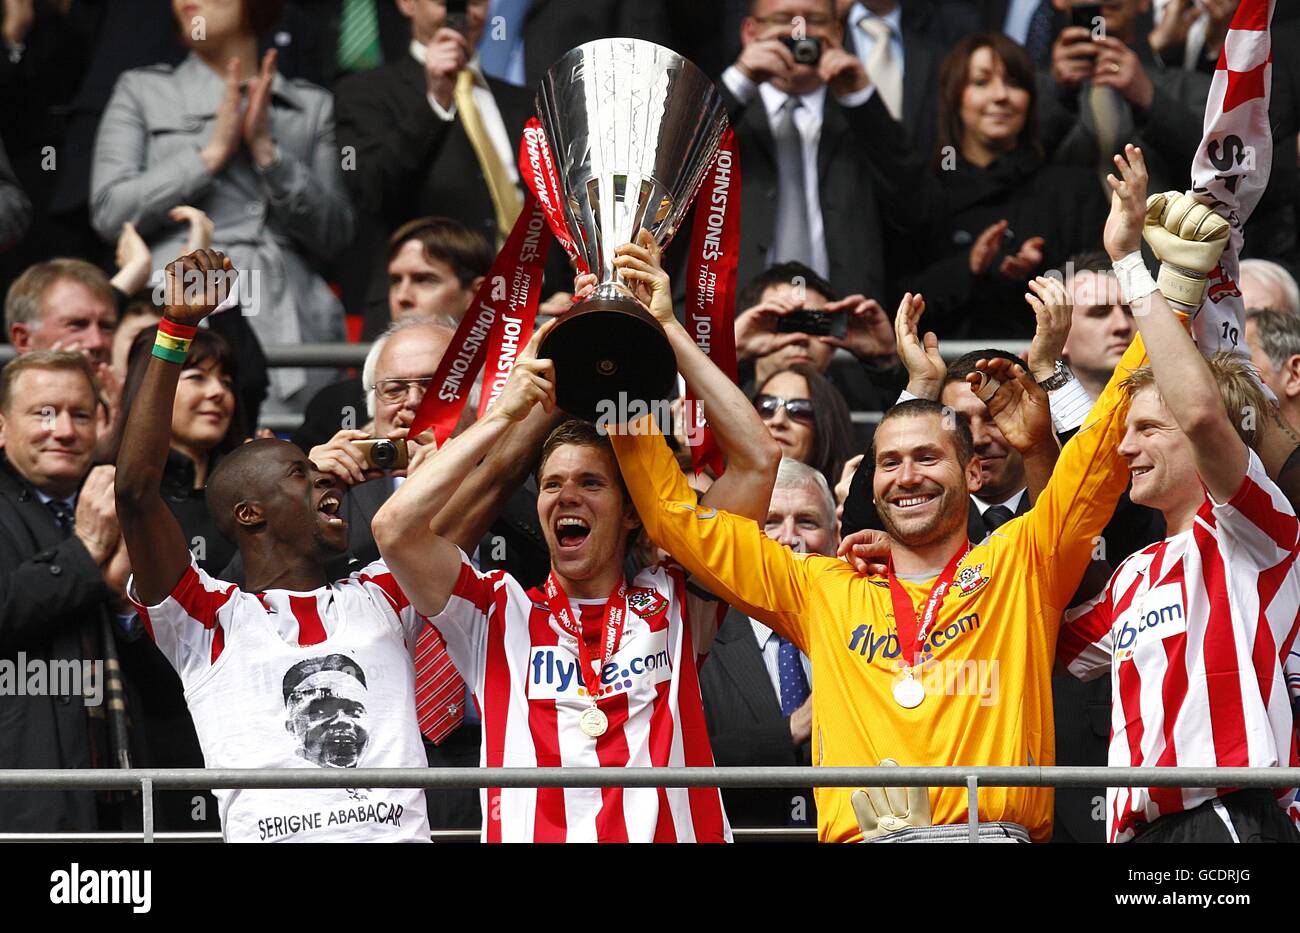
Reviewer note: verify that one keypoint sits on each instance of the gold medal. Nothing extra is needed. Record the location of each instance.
(908, 692)
(593, 722)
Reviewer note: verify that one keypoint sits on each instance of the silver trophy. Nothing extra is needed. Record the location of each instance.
(632, 127)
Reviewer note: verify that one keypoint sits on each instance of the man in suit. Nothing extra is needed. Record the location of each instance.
(521, 54)
(435, 267)
(803, 131)
(397, 372)
(428, 134)
(62, 569)
(756, 685)
(325, 40)
(901, 60)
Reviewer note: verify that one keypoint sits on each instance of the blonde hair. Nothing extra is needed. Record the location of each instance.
(1239, 388)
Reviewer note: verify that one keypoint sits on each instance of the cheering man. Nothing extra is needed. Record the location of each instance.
(1195, 629)
(588, 670)
(335, 656)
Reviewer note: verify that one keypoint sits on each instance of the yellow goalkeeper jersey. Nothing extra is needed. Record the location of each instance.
(987, 661)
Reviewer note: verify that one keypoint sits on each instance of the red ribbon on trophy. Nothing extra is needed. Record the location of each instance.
(711, 288)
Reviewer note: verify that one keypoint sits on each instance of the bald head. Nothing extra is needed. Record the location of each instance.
(249, 472)
(411, 352)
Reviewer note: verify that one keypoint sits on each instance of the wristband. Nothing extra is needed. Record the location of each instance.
(1135, 281)
(173, 341)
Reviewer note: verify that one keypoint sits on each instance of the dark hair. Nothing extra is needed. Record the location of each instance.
(953, 74)
(963, 442)
(208, 346)
(964, 365)
(583, 434)
(783, 273)
(466, 251)
(60, 360)
(331, 662)
(832, 425)
(261, 16)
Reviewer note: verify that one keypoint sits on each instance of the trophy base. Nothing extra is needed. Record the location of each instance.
(610, 354)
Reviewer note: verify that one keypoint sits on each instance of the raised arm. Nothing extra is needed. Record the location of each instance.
(745, 488)
(1020, 409)
(195, 285)
(1184, 379)
(726, 553)
(425, 563)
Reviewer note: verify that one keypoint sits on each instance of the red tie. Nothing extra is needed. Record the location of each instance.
(439, 689)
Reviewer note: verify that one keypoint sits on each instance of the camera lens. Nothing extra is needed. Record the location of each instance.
(807, 51)
(383, 455)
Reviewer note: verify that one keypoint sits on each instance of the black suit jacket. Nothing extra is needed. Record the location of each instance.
(746, 727)
(409, 163)
(855, 199)
(50, 590)
(553, 27)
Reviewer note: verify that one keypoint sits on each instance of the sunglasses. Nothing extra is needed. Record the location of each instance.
(798, 409)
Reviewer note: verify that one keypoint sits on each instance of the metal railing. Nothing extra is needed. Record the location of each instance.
(972, 778)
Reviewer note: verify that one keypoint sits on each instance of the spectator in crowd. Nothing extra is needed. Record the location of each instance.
(1273, 337)
(807, 418)
(1188, 34)
(803, 132)
(429, 135)
(589, 524)
(15, 206)
(63, 573)
(901, 61)
(207, 423)
(997, 214)
(867, 374)
(1230, 530)
(1267, 284)
(1110, 90)
(336, 38)
(265, 169)
(435, 266)
(534, 34)
(1101, 325)
(757, 687)
(43, 51)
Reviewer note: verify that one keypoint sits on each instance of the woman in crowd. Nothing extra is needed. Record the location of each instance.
(807, 416)
(252, 150)
(998, 213)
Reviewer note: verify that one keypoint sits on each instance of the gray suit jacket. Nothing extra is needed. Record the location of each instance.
(277, 225)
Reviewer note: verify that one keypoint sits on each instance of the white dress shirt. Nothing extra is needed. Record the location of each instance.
(770, 647)
(808, 120)
(487, 108)
(1012, 503)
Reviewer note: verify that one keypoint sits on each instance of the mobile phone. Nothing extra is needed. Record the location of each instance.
(813, 323)
(457, 18)
(1086, 14)
(383, 454)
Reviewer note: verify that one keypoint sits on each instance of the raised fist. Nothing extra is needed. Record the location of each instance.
(196, 284)
(1188, 238)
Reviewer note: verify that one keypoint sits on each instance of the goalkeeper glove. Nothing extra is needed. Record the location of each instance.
(1188, 238)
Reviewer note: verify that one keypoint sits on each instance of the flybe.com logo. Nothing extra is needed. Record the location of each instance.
(1155, 617)
(553, 671)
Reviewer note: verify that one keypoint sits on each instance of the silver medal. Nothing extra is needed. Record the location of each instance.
(593, 722)
(908, 692)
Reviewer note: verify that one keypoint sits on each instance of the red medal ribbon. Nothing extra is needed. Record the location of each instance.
(711, 287)
(612, 621)
(911, 631)
(537, 168)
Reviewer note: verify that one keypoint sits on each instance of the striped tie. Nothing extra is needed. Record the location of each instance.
(439, 689)
(358, 36)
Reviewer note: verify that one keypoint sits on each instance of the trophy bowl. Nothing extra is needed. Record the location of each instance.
(632, 127)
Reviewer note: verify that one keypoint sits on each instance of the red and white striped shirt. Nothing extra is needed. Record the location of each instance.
(282, 679)
(1195, 631)
(522, 667)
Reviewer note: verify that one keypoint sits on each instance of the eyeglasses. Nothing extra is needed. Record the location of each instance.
(396, 390)
(798, 409)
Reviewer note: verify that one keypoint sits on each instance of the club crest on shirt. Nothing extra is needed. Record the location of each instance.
(970, 580)
(646, 603)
